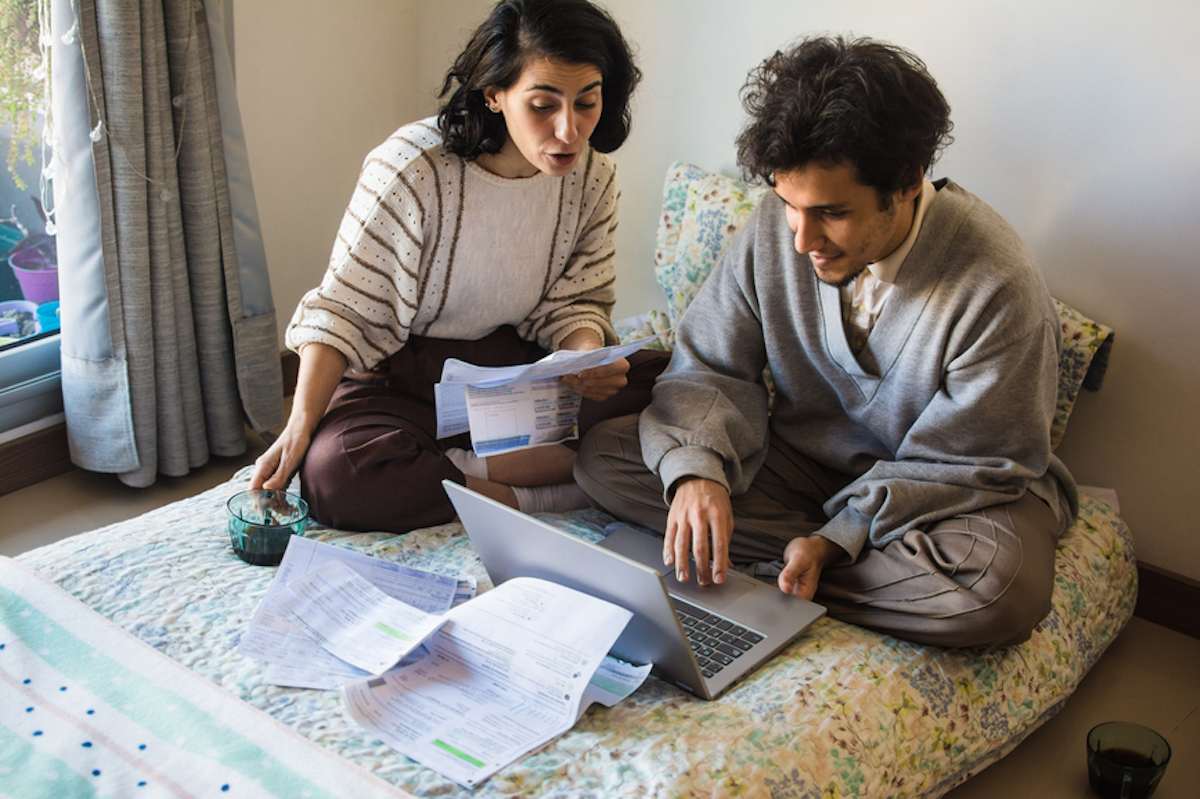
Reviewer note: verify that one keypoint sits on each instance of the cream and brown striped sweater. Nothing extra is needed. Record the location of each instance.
(436, 246)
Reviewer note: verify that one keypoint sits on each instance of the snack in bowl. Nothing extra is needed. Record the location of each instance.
(261, 523)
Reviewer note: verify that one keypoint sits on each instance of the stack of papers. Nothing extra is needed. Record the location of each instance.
(508, 408)
(513, 669)
(463, 687)
(355, 621)
(293, 651)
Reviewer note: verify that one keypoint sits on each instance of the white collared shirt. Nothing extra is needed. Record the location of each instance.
(864, 298)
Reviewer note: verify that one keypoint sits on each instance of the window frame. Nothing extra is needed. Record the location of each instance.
(30, 382)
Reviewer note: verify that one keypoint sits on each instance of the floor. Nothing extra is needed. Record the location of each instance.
(1150, 674)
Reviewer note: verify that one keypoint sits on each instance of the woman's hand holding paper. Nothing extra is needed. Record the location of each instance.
(601, 382)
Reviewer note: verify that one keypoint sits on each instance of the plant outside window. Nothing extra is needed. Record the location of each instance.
(28, 257)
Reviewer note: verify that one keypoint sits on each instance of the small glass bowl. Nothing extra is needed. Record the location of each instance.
(261, 523)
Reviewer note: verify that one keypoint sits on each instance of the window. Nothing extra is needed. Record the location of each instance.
(29, 321)
(28, 275)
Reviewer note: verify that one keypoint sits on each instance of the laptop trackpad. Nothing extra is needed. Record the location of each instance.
(638, 544)
(645, 547)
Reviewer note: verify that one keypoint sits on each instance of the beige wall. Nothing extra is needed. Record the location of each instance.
(319, 85)
(442, 33)
(1080, 128)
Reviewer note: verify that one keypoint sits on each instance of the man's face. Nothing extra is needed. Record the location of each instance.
(837, 221)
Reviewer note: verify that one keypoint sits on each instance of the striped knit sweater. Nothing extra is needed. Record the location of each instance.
(436, 246)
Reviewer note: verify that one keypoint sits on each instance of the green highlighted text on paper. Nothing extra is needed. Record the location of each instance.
(388, 629)
(460, 754)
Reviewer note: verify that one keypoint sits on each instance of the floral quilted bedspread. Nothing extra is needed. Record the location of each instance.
(842, 712)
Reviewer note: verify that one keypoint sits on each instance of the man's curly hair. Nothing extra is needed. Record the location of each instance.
(831, 100)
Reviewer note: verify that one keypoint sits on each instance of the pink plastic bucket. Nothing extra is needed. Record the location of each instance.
(37, 275)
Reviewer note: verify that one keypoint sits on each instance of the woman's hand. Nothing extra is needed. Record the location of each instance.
(321, 367)
(601, 382)
(275, 467)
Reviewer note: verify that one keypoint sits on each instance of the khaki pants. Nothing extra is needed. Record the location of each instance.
(982, 578)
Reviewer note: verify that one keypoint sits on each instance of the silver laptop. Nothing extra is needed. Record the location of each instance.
(701, 639)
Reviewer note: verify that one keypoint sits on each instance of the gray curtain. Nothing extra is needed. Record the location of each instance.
(168, 329)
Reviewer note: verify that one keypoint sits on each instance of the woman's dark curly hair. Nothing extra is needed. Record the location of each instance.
(574, 31)
(831, 100)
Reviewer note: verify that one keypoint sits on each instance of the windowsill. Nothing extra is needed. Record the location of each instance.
(30, 384)
(35, 426)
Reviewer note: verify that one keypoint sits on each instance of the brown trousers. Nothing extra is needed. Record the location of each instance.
(982, 578)
(374, 462)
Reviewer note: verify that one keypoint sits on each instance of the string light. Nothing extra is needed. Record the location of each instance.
(45, 43)
(101, 130)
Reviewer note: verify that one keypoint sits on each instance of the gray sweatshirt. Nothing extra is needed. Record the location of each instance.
(946, 411)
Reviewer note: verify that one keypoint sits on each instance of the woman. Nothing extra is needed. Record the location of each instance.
(484, 235)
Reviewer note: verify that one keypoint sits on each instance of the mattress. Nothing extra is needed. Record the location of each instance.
(842, 711)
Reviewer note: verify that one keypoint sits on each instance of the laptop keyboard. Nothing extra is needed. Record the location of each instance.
(716, 641)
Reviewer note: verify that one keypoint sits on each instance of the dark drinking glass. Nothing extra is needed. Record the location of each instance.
(1126, 760)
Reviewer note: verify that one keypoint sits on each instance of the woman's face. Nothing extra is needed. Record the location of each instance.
(550, 111)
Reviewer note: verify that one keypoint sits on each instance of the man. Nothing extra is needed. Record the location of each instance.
(904, 476)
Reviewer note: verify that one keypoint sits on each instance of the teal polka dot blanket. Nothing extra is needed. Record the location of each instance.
(86, 709)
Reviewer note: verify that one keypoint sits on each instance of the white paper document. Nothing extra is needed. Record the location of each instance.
(518, 415)
(293, 655)
(508, 672)
(328, 675)
(513, 407)
(450, 399)
(613, 681)
(355, 621)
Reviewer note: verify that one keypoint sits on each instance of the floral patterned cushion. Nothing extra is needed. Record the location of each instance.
(1084, 359)
(703, 211)
(715, 209)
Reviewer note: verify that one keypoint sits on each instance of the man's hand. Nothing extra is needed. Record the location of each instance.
(804, 559)
(700, 513)
(601, 382)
